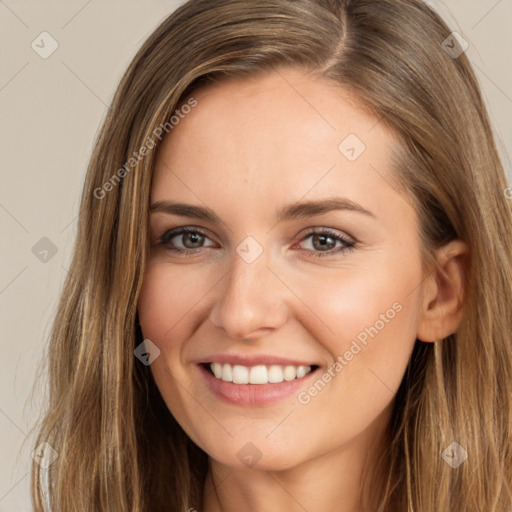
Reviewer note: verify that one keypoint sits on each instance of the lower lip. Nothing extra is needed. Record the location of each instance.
(253, 395)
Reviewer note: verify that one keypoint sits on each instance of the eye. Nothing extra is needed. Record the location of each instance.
(324, 241)
(191, 239)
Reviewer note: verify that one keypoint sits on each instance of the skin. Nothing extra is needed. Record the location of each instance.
(249, 148)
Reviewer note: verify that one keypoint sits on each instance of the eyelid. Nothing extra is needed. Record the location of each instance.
(311, 230)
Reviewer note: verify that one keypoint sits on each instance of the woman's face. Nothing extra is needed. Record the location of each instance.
(301, 254)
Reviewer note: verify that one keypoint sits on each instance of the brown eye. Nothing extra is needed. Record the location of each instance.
(194, 239)
(323, 243)
(184, 239)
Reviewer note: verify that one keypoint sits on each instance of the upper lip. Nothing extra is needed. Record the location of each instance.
(253, 360)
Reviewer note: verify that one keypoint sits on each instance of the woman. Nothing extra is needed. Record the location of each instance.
(292, 279)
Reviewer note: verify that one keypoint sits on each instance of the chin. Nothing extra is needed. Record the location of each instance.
(250, 457)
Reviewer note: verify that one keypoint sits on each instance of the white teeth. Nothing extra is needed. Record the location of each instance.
(301, 371)
(240, 374)
(275, 374)
(259, 374)
(289, 373)
(217, 370)
(227, 374)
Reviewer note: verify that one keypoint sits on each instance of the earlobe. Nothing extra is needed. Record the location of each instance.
(442, 307)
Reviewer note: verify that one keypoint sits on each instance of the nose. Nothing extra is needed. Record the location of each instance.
(251, 300)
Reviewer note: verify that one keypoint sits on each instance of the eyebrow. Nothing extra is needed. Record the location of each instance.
(290, 212)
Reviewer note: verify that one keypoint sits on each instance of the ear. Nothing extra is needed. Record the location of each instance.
(443, 293)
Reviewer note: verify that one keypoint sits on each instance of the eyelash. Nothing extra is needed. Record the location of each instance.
(348, 244)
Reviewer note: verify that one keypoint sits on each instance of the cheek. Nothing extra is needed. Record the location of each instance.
(167, 300)
(369, 321)
(168, 309)
(377, 300)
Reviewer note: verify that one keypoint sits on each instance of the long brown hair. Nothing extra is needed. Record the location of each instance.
(119, 448)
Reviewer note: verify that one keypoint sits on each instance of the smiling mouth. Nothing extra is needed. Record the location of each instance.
(259, 374)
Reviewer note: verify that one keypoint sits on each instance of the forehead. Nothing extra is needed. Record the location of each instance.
(281, 132)
(306, 104)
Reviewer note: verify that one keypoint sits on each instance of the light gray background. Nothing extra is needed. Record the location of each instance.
(51, 110)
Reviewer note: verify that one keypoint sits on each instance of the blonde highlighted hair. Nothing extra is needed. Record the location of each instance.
(119, 447)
